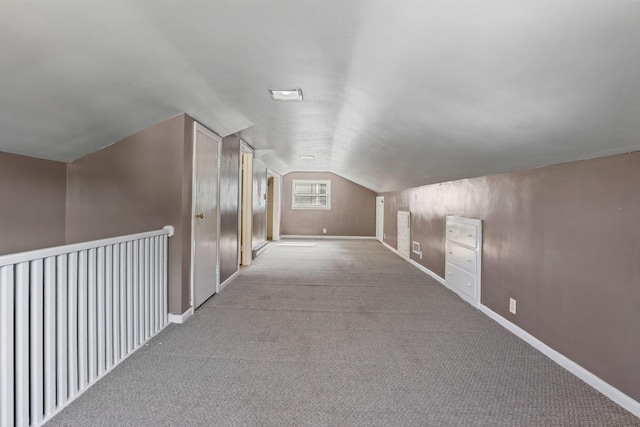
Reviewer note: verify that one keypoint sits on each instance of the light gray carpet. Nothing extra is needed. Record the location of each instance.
(344, 333)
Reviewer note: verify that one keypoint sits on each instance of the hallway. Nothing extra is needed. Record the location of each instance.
(339, 332)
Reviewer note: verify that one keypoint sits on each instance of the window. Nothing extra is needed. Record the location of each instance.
(311, 194)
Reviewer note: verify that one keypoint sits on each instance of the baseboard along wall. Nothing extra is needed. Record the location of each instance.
(181, 318)
(588, 377)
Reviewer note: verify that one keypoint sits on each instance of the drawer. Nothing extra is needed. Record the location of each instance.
(465, 234)
(403, 219)
(462, 257)
(461, 279)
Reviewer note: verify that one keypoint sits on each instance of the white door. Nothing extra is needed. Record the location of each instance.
(380, 218)
(205, 272)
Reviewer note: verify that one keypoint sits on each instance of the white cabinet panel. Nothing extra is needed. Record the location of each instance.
(404, 233)
(463, 257)
(403, 219)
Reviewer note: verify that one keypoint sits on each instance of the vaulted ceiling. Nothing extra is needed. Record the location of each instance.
(397, 93)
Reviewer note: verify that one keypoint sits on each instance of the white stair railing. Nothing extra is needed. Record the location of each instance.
(70, 314)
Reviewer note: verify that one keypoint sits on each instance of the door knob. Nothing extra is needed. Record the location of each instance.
(200, 215)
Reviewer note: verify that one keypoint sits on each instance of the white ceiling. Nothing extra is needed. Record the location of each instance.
(397, 93)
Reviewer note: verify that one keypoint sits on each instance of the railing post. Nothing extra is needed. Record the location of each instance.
(6, 347)
(171, 230)
(22, 343)
(62, 343)
(37, 340)
(49, 289)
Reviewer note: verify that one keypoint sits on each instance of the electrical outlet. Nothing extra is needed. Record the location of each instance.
(512, 306)
(324, 230)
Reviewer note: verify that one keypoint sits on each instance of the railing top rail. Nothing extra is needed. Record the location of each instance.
(75, 247)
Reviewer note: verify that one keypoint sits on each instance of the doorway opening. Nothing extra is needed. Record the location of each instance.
(380, 219)
(274, 182)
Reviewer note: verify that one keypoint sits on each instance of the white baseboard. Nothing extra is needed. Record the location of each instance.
(603, 387)
(322, 236)
(430, 273)
(421, 268)
(229, 280)
(392, 249)
(181, 318)
(444, 283)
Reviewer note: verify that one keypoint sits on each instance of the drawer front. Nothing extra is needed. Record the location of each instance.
(404, 248)
(403, 243)
(461, 279)
(403, 219)
(465, 234)
(462, 257)
(403, 233)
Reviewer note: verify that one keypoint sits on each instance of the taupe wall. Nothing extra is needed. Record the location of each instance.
(229, 206)
(141, 183)
(32, 200)
(564, 241)
(393, 202)
(352, 213)
(259, 203)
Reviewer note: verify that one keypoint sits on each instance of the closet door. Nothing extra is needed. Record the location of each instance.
(206, 215)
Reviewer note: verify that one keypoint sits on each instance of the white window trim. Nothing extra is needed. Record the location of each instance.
(327, 182)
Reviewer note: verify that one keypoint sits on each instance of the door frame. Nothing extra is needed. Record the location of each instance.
(380, 237)
(245, 221)
(276, 203)
(197, 127)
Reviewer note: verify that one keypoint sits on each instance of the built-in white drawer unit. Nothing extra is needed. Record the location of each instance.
(463, 257)
(404, 234)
